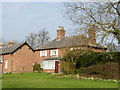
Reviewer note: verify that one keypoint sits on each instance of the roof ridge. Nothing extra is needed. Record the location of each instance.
(13, 48)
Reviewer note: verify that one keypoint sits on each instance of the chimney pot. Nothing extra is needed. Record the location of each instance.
(60, 27)
(10, 42)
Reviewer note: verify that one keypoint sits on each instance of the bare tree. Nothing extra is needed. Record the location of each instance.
(103, 16)
(112, 47)
(38, 39)
(31, 39)
(42, 37)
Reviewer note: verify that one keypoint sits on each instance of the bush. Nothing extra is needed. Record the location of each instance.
(73, 60)
(9, 73)
(85, 57)
(37, 67)
(105, 71)
(40, 70)
(65, 67)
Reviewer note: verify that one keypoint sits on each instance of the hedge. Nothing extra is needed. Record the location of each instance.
(85, 58)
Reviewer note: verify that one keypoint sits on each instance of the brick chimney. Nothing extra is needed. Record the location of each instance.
(10, 43)
(60, 33)
(91, 35)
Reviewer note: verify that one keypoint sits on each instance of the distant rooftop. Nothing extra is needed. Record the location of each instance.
(11, 48)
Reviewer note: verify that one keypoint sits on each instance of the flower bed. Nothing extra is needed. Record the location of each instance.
(83, 77)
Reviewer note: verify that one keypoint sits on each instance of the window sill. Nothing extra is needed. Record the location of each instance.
(48, 68)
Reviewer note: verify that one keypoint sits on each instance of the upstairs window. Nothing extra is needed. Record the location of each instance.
(54, 52)
(43, 53)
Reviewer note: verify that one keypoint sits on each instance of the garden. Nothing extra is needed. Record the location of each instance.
(81, 69)
(87, 63)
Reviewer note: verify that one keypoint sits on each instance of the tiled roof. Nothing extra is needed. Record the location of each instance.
(79, 40)
(11, 48)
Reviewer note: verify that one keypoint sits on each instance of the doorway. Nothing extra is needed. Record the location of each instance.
(56, 66)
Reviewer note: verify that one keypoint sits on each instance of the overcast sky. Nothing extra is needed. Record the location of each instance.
(21, 18)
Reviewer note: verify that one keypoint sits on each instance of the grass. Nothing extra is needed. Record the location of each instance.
(44, 80)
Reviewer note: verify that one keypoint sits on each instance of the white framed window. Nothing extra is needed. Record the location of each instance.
(43, 53)
(54, 52)
(48, 64)
(6, 64)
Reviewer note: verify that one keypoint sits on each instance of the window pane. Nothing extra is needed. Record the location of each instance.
(48, 64)
(6, 63)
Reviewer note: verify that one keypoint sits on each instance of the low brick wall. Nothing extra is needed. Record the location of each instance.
(49, 70)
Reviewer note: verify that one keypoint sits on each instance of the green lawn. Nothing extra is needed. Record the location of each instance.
(44, 80)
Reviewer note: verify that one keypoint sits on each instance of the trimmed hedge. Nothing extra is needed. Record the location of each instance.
(105, 71)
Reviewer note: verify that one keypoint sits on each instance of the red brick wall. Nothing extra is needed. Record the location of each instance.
(61, 52)
(64, 51)
(49, 70)
(40, 59)
(98, 50)
(20, 61)
(9, 58)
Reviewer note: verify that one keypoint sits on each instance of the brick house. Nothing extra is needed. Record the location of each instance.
(17, 58)
(50, 54)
